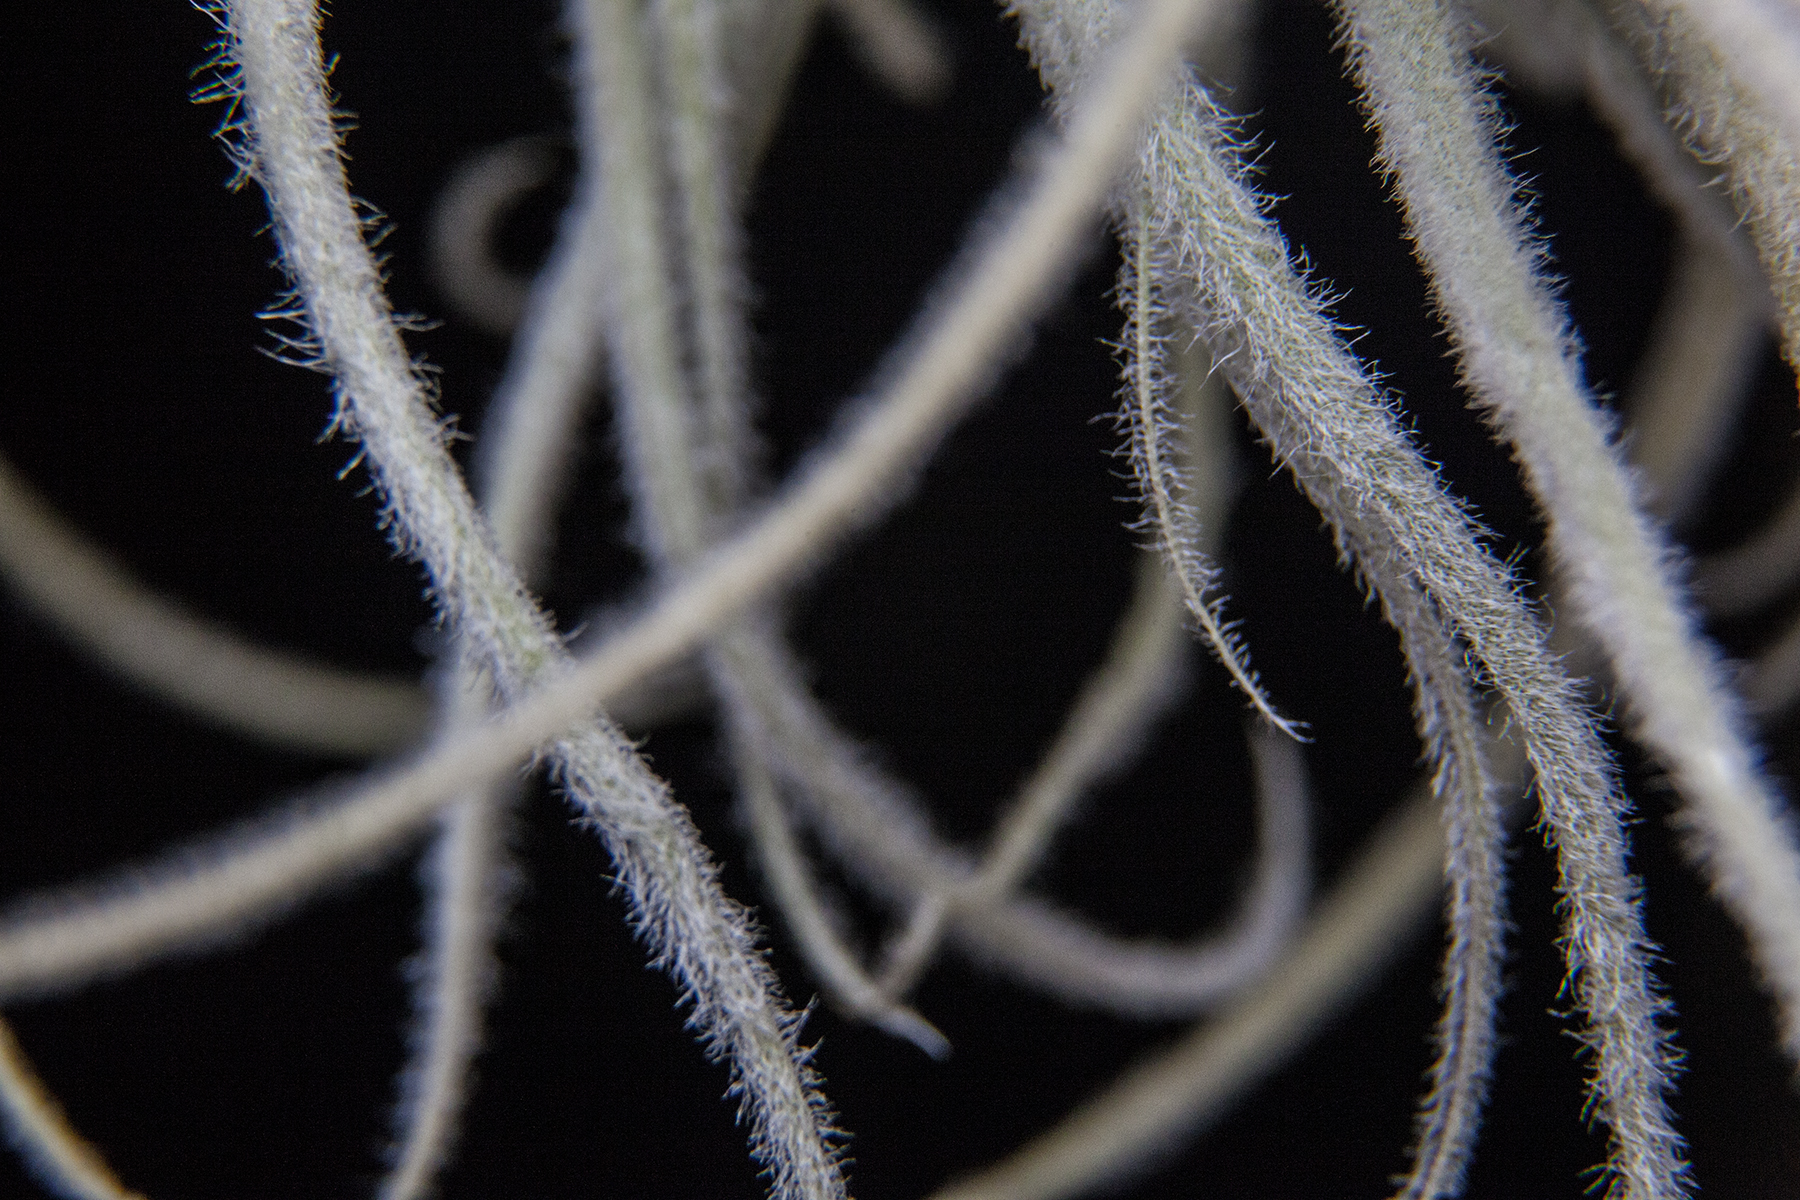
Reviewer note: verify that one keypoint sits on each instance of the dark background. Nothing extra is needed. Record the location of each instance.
(135, 396)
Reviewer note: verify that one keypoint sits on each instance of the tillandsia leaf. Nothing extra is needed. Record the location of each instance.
(1362, 923)
(533, 421)
(464, 221)
(1756, 572)
(204, 668)
(689, 35)
(828, 503)
(790, 881)
(1331, 427)
(620, 136)
(900, 45)
(869, 821)
(1694, 379)
(1170, 518)
(866, 820)
(1728, 122)
(688, 452)
(1564, 49)
(1519, 362)
(1130, 690)
(466, 875)
(771, 713)
(767, 708)
(1135, 685)
(527, 443)
(63, 1160)
(1759, 41)
(1449, 720)
(196, 898)
(1692, 385)
(693, 929)
(531, 428)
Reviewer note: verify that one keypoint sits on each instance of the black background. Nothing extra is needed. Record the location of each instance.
(134, 395)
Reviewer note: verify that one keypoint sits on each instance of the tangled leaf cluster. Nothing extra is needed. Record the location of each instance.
(646, 299)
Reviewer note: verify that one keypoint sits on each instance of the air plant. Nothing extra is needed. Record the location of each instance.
(1232, 346)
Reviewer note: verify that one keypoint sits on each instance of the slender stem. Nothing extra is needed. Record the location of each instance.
(1384, 896)
(723, 447)
(798, 900)
(1107, 719)
(692, 927)
(868, 821)
(1117, 704)
(1771, 682)
(1168, 515)
(1522, 368)
(1760, 46)
(899, 45)
(843, 490)
(1622, 96)
(465, 874)
(1757, 571)
(195, 664)
(59, 1156)
(765, 704)
(1449, 721)
(529, 435)
(1720, 98)
(644, 304)
(1435, 134)
(1691, 386)
(1328, 424)
(691, 454)
(463, 222)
